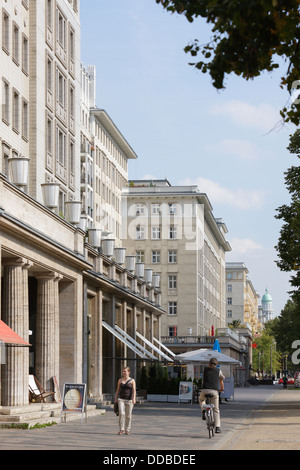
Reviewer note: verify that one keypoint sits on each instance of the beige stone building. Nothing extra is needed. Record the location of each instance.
(241, 297)
(172, 232)
(61, 290)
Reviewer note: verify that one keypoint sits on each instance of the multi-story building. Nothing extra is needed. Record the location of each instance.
(59, 292)
(171, 230)
(241, 297)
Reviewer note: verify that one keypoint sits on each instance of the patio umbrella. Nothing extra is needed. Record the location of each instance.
(203, 356)
(216, 346)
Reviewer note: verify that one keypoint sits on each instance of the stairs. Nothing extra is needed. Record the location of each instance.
(41, 413)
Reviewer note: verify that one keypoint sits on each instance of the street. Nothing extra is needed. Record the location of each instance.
(255, 418)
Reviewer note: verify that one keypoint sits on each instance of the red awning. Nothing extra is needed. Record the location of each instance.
(8, 336)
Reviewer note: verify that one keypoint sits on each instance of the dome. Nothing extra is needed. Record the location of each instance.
(266, 297)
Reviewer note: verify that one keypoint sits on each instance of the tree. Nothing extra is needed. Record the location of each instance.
(265, 356)
(288, 246)
(248, 38)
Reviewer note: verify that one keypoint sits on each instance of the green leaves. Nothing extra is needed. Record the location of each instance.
(248, 38)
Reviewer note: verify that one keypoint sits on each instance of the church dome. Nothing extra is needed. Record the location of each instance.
(266, 297)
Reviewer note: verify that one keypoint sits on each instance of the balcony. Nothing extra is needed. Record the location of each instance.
(202, 340)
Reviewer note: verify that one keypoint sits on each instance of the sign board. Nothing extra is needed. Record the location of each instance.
(74, 399)
(185, 391)
(228, 388)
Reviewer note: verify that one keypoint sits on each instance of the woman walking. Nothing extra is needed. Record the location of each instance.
(126, 397)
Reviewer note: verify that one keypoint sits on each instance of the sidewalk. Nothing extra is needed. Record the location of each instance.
(259, 418)
(274, 427)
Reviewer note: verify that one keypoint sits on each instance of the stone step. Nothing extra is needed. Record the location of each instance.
(32, 415)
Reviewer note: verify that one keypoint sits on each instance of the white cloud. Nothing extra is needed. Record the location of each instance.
(239, 197)
(263, 116)
(244, 245)
(242, 149)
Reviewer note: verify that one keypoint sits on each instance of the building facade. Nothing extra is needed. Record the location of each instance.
(61, 291)
(241, 297)
(172, 232)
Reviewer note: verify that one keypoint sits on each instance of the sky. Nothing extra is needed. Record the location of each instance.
(230, 143)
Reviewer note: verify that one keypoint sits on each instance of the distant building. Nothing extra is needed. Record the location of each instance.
(172, 231)
(241, 297)
(266, 311)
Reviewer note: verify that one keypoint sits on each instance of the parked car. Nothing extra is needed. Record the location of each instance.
(297, 378)
(290, 381)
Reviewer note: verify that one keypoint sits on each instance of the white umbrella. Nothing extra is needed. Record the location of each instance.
(203, 356)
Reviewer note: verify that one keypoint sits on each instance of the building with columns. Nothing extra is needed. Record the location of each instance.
(62, 291)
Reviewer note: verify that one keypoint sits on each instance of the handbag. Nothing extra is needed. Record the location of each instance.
(116, 408)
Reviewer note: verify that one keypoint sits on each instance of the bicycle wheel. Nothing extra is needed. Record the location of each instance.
(209, 424)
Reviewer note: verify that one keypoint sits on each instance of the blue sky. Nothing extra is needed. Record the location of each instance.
(227, 142)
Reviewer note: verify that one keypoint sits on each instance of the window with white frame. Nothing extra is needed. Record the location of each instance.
(140, 256)
(25, 122)
(155, 256)
(60, 146)
(5, 32)
(229, 313)
(172, 308)
(61, 88)
(229, 288)
(155, 232)
(172, 209)
(172, 281)
(25, 54)
(172, 232)
(172, 256)
(140, 232)
(139, 209)
(16, 111)
(5, 101)
(229, 301)
(155, 208)
(61, 29)
(16, 44)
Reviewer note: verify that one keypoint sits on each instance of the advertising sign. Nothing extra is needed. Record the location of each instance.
(186, 391)
(74, 398)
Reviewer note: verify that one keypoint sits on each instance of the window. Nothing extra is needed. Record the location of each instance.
(155, 208)
(229, 275)
(172, 308)
(16, 46)
(139, 209)
(173, 232)
(140, 256)
(72, 102)
(229, 313)
(172, 256)
(155, 256)
(49, 74)
(140, 232)
(5, 32)
(25, 133)
(72, 157)
(172, 330)
(72, 45)
(5, 101)
(16, 111)
(229, 301)
(25, 55)
(49, 15)
(155, 232)
(61, 29)
(49, 136)
(61, 89)
(173, 209)
(61, 147)
(229, 288)
(172, 281)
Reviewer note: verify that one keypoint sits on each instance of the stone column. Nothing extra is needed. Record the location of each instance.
(47, 329)
(14, 389)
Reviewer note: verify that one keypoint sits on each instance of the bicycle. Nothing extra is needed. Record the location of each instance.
(209, 414)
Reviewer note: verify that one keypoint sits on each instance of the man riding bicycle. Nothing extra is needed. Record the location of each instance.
(212, 384)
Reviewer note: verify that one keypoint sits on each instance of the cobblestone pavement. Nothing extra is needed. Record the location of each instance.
(265, 417)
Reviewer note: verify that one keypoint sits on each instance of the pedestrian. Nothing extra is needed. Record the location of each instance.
(212, 384)
(125, 397)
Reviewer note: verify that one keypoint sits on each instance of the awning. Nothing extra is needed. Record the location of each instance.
(163, 346)
(136, 344)
(154, 347)
(8, 336)
(124, 340)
